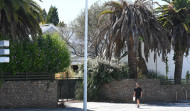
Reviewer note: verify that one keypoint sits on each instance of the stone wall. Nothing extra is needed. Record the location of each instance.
(122, 91)
(28, 94)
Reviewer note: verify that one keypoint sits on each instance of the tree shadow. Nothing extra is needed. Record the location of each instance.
(34, 109)
(167, 104)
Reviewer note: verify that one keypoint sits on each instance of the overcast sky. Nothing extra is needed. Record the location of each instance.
(69, 9)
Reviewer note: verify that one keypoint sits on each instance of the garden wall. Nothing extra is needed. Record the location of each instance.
(28, 94)
(122, 91)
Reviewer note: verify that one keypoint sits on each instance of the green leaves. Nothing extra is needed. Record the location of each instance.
(175, 17)
(47, 54)
(187, 28)
(19, 19)
(52, 16)
(106, 12)
(1, 4)
(101, 72)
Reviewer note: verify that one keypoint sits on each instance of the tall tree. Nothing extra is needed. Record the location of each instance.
(52, 16)
(78, 26)
(18, 19)
(44, 14)
(62, 24)
(124, 28)
(175, 16)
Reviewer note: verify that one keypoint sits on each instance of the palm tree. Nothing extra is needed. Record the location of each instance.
(18, 19)
(128, 23)
(175, 16)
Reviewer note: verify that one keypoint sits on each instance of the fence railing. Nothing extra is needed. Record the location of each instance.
(26, 76)
(68, 78)
(172, 81)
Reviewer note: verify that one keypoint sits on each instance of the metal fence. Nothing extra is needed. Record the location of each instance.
(68, 78)
(172, 81)
(26, 76)
(66, 87)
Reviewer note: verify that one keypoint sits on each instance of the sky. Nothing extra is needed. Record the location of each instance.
(68, 10)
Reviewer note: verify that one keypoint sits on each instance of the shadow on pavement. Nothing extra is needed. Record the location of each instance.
(58, 109)
(174, 104)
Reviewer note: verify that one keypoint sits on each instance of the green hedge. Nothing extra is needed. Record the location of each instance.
(46, 54)
(99, 73)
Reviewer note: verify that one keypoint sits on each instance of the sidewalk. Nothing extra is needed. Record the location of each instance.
(100, 106)
(93, 106)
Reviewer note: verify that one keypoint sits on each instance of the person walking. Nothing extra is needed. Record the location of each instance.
(137, 94)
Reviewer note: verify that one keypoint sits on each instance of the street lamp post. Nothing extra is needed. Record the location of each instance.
(85, 57)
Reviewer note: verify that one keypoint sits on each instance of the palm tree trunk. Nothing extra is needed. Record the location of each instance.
(141, 62)
(132, 59)
(178, 66)
(0, 16)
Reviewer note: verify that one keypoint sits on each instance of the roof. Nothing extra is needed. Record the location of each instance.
(48, 28)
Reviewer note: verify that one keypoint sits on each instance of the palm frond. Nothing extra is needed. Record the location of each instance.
(18, 19)
(106, 12)
(128, 24)
(175, 17)
(114, 4)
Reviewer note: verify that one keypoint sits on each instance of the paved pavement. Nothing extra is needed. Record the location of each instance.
(100, 106)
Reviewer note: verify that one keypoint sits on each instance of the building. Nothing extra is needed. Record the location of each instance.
(159, 66)
(48, 28)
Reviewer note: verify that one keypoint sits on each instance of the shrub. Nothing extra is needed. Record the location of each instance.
(100, 72)
(187, 76)
(46, 54)
(163, 78)
(152, 75)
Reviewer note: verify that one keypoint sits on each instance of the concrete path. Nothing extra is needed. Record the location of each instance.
(93, 106)
(99, 106)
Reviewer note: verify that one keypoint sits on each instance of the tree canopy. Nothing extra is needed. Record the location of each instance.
(52, 16)
(175, 16)
(49, 53)
(136, 21)
(126, 26)
(18, 19)
(78, 25)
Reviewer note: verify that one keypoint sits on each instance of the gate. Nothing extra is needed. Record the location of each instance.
(66, 87)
